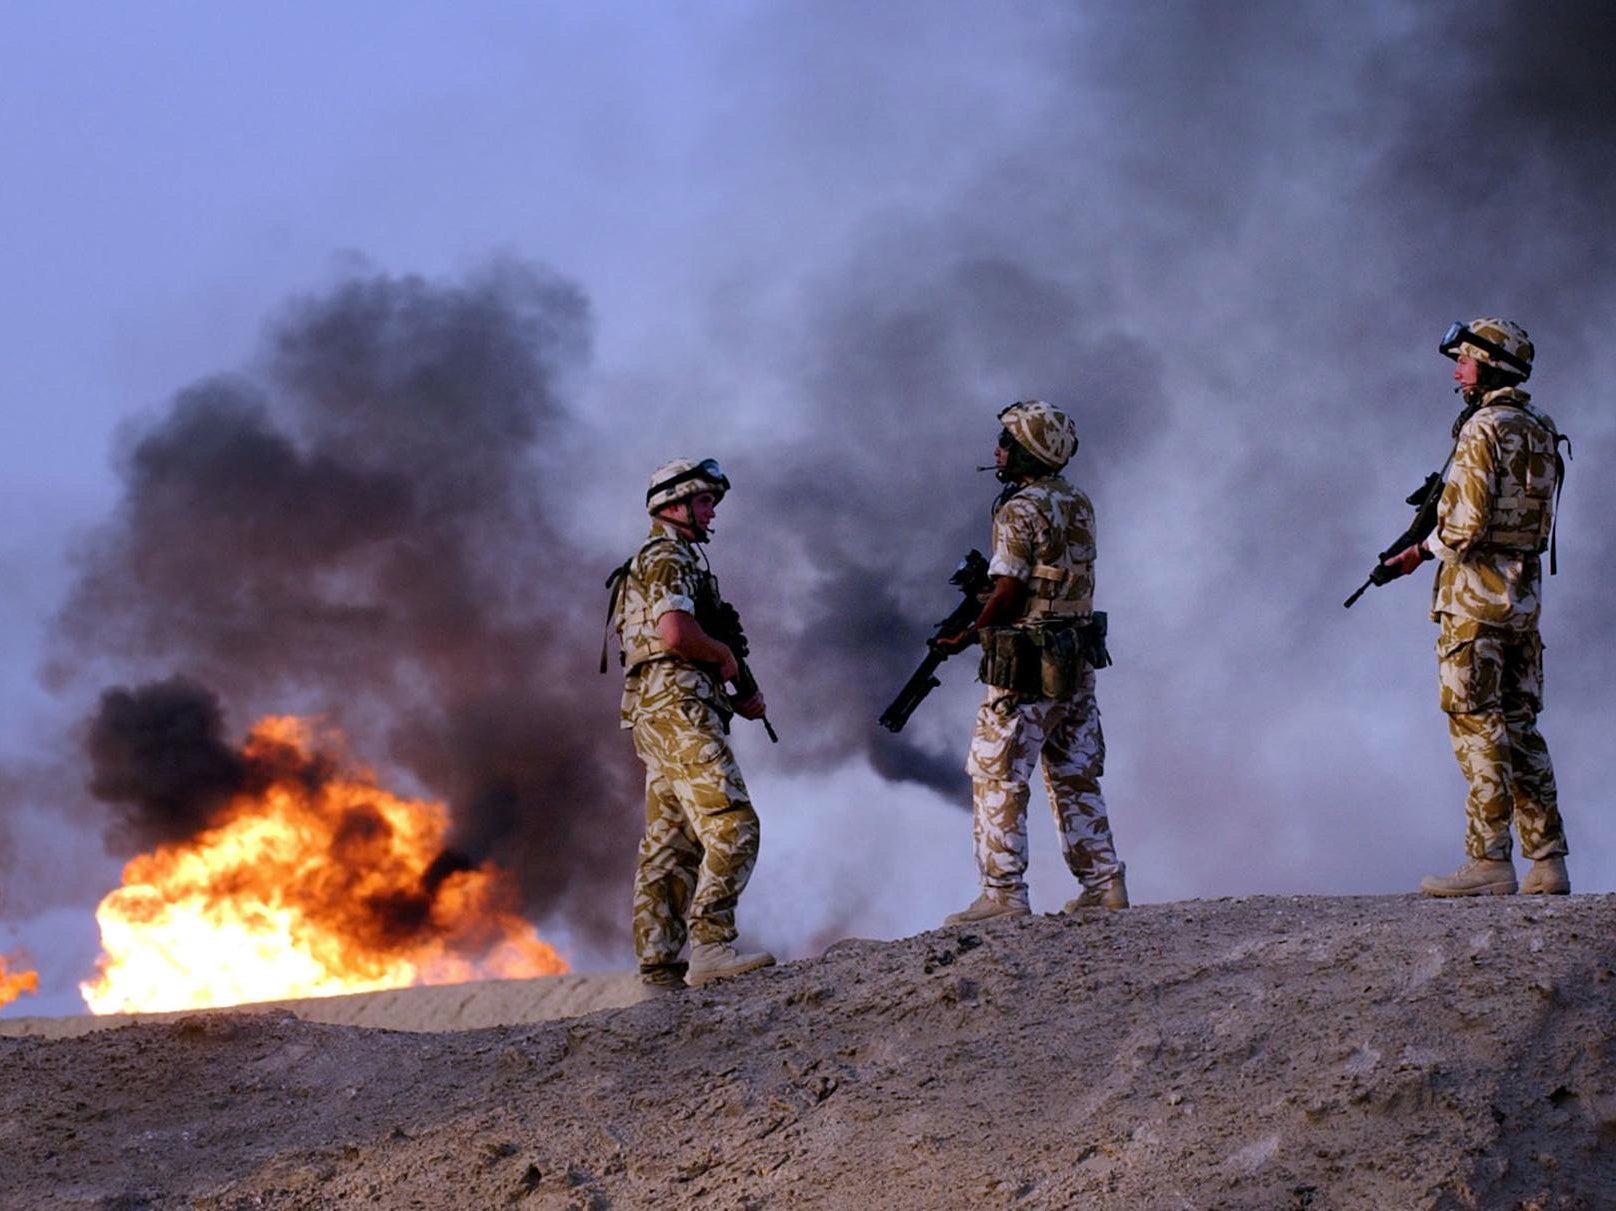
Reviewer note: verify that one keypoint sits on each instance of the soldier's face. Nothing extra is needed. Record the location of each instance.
(703, 508)
(693, 517)
(1464, 372)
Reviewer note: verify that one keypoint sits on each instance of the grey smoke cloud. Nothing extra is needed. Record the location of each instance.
(1230, 248)
(1227, 237)
(1512, 171)
(907, 372)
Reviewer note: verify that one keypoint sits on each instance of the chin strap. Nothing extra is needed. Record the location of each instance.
(697, 533)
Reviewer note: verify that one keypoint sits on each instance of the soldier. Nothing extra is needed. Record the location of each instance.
(1494, 519)
(701, 833)
(1040, 650)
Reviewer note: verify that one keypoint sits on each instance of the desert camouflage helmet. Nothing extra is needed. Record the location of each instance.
(1043, 431)
(682, 478)
(1501, 344)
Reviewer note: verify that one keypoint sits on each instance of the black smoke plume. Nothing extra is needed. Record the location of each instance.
(159, 756)
(362, 524)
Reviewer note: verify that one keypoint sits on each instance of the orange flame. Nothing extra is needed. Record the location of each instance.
(14, 983)
(317, 884)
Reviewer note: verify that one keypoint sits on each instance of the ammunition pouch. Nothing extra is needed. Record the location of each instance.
(1045, 660)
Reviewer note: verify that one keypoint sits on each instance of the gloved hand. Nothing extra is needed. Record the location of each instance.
(1409, 558)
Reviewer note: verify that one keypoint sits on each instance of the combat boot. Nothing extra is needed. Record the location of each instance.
(1479, 877)
(720, 960)
(1112, 894)
(985, 908)
(662, 982)
(1547, 877)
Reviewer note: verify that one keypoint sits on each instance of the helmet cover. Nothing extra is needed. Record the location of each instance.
(1043, 430)
(680, 479)
(1501, 344)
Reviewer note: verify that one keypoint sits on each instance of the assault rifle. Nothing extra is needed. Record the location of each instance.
(972, 580)
(1425, 499)
(723, 622)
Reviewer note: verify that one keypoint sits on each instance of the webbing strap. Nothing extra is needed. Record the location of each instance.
(614, 582)
(1559, 484)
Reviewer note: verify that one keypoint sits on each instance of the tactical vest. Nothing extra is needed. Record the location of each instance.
(1523, 515)
(628, 612)
(1048, 650)
(1062, 582)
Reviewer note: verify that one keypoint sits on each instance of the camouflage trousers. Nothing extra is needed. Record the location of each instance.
(701, 833)
(1012, 735)
(1492, 689)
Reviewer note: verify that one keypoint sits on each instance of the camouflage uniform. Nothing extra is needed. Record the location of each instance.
(1494, 518)
(1043, 536)
(701, 833)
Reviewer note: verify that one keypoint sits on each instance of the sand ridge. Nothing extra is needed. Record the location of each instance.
(470, 1006)
(1285, 1052)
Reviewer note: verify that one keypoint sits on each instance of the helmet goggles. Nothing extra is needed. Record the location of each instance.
(1459, 334)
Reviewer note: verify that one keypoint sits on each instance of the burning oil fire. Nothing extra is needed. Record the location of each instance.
(14, 983)
(315, 882)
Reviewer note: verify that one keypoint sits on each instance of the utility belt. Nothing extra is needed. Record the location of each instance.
(1046, 658)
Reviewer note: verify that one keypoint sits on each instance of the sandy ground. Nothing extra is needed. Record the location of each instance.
(1252, 1053)
(447, 1007)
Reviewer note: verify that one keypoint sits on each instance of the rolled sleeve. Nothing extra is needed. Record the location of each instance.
(1015, 534)
(670, 583)
(667, 603)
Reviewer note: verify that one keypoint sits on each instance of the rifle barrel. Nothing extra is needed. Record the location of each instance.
(914, 692)
(972, 580)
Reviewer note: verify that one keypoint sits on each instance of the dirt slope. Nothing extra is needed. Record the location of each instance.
(444, 1007)
(1264, 1052)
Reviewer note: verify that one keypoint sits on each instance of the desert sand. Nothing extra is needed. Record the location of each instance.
(1285, 1052)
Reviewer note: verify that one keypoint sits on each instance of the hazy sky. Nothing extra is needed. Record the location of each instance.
(537, 249)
